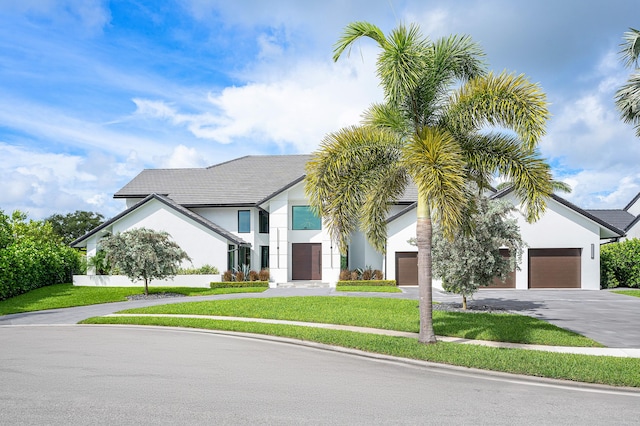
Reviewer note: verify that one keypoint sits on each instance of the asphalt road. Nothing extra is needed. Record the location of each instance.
(98, 375)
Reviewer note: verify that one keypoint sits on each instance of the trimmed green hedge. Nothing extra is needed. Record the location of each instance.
(240, 284)
(353, 283)
(620, 264)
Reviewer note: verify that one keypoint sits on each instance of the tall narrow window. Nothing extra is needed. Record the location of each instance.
(244, 256)
(263, 222)
(302, 217)
(264, 257)
(244, 221)
(231, 257)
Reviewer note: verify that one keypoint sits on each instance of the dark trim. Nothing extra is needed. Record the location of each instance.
(281, 190)
(168, 202)
(632, 202)
(402, 212)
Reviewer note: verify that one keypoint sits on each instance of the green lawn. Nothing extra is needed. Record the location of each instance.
(67, 295)
(391, 314)
(583, 368)
(635, 293)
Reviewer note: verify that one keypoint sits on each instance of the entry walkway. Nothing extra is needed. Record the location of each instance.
(619, 352)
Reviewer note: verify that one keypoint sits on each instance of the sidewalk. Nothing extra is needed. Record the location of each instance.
(617, 352)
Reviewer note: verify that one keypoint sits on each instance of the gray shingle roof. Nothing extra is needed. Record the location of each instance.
(245, 181)
(621, 219)
(240, 182)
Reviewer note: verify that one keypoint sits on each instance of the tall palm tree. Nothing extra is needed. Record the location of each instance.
(628, 96)
(431, 131)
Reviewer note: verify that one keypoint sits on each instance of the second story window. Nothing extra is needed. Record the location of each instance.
(244, 221)
(263, 222)
(304, 218)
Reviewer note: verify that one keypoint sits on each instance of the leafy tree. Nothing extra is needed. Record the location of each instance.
(74, 225)
(433, 129)
(473, 259)
(144, 254)
(628, 96)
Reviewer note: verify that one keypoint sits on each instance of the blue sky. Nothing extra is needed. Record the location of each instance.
(92, 92)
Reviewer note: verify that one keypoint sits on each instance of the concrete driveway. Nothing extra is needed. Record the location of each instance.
(609, 318)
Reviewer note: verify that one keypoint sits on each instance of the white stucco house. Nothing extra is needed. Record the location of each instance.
(253, 210)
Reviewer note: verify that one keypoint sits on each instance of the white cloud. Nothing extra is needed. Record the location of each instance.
(295, 108)
(182, 157)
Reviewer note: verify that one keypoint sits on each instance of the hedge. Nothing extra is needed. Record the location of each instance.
(27, 265)
(240, 284)
(620, 264)
(352, 283)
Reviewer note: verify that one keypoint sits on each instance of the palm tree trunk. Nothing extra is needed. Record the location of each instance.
(424, 233)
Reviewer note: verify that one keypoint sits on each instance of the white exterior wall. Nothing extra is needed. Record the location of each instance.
(561, 227)
(282, 236)
(201, 244)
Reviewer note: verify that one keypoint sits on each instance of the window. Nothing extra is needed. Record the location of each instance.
(244, 221)
(263, 222)
(244, 256)
(231, 257)
(264, 257)
(304, 218)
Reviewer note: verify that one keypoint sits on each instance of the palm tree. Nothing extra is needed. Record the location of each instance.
(431, 131)
(628, 96)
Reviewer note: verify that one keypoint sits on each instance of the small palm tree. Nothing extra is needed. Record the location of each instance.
(431, 131)
(628, 96)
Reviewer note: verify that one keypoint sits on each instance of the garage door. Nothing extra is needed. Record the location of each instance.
(407, 268)
(554, 268)
(306, 261)
(509, 282)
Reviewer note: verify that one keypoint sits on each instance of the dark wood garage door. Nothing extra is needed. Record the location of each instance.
(510, 282)
(407, 268)
(306, 261)
(554, 268)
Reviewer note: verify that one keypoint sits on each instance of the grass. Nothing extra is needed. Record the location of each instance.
(635, 293)
(369, 288)
(391, 314)
(590, 369)
(67, 295)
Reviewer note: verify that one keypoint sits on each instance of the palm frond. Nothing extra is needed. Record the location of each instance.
(505, 100)
(630, 48)
(436, 163)
(401, 63)
(353, 32)
(385, 116)
(525, 169)
(628, 101)
(343, 171)
(457, 56)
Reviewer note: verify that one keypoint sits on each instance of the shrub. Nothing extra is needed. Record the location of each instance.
(263, 275)
(239, 276)
(345, 283)
(378, 275)
(367, 274)
(345, 275)
(620, 264)
(355, 275)
(203, 270)
(239, 284)
(227, 276)
(253, 275)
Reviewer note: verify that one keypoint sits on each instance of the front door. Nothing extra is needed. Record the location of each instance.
(306, 261)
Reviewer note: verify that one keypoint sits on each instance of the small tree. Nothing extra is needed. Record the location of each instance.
(144, 254)
(472, 259)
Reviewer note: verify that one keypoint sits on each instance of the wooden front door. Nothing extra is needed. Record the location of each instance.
(306, 261)
(407, 268)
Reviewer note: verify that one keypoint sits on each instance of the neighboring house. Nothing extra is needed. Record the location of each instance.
(253, 210)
